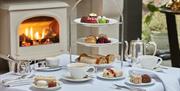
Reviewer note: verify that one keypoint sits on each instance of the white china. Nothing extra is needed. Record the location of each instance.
(80, 70)
(82, 42)
(149, 62)
(68, 77)
(111, 21)
(59, 85)
(141, 84)
(101, 65)
(48, 69)
(100, 75)
(52, 61)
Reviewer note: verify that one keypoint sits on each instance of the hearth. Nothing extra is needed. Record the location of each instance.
(33, 30)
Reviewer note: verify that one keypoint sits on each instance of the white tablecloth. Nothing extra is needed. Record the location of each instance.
(92, 85)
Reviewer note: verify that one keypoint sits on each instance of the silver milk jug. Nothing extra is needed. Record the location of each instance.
(138, 47)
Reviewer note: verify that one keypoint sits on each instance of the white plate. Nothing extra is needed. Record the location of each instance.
(141, 84)
(82, 42)
(100, 75)
(47, 69)
(59, 84)
(69, 78)
(111, 21)
(101, 65)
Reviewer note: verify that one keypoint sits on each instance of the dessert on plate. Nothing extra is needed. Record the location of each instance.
(112, 72)
(96, 59)
(146, 78)
(100, 39)
(138, 78)
(91, 39)
(175, 5)
(93, 18)
(45, 81)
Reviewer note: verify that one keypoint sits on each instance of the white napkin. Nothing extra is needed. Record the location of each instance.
(19, 82)
(10, 79)
(7, 77)
(169, 79)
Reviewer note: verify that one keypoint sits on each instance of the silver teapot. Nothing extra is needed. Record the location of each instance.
(137, 48)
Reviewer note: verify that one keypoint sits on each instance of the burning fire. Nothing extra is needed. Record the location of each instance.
(38, 33)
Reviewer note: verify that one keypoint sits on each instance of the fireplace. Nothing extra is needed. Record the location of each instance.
(33, 30)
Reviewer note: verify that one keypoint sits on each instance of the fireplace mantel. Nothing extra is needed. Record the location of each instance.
(22, 5)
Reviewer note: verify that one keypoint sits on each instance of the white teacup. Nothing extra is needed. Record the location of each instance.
(80, 70)
(149, 62)
(52, 61)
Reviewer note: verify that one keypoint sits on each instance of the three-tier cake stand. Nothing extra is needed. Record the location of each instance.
(97, 25)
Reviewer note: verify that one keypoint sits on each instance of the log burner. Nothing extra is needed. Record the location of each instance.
(33, 30)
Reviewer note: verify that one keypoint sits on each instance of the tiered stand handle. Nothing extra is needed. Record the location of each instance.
(70, 45)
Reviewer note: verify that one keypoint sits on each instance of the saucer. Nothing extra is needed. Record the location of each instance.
(100, 75)
(47, 69)
(68, 77)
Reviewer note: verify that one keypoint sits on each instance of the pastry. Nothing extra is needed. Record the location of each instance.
(93, 15)
(100, 39)
(90, 39)
(45, 81)
(95, 59)
(175, 5)
(136, 79)
(42, 83)
(146, 78)
(93, 18)
(110, 58)
(102, 19)
(112, 72)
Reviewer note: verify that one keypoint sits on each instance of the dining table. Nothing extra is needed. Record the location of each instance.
(97, 84)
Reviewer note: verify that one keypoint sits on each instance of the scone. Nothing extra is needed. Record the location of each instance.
(136, 79)
(112, 72)
(90, 39)
(110, 58)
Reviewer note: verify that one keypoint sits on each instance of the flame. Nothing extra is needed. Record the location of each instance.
(31, 33)
(27, 32)
(43, 34)
(37, 36)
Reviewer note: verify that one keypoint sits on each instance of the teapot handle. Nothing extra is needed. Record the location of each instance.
(155, 46)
